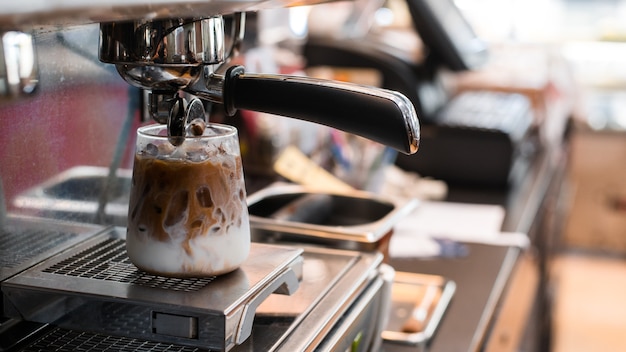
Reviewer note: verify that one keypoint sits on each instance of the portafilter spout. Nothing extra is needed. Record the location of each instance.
(167, 56)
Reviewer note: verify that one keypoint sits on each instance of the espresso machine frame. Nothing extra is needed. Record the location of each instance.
(176, 52)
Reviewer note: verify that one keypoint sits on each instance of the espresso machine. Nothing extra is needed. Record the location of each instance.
(76, 77)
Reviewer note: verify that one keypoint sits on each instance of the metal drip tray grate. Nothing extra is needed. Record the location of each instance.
(97, 317)
(20, 245)
(24, 241)
(63, 340)
(108, 261)
(94, 287)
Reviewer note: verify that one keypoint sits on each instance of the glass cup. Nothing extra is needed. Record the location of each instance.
(187, 214)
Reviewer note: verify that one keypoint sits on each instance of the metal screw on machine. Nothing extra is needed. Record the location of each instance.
(169, 56)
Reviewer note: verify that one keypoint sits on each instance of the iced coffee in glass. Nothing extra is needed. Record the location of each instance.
(187, 214)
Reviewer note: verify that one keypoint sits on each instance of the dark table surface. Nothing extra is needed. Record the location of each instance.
(482, 275)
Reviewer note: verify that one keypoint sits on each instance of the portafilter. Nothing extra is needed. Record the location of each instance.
(166, 56)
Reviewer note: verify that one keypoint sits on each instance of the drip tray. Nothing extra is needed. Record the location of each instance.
(25, 241)
(335, 284)
(94, 287)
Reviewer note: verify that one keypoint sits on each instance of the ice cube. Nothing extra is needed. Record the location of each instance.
(196, 155)
(151, 150)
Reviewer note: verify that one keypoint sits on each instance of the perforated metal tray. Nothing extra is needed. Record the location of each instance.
(94, 287)
(25, 241)
(334, 283)
(64, 340)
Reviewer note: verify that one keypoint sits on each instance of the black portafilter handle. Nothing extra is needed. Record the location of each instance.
(381, 115)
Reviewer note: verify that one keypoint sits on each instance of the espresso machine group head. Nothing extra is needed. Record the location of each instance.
(167, 56)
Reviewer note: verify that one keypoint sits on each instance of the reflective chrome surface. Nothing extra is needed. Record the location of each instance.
(163, 42)
(19, 74)
(357, 220)
(162, 54)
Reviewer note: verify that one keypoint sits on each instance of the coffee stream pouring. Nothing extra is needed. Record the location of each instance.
(168, 56)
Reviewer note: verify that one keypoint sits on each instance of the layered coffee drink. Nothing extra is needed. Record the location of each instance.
(187, 214)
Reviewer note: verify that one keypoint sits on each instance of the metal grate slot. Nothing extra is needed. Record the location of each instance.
(19, 245)
(62, 340)
(108, 261)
